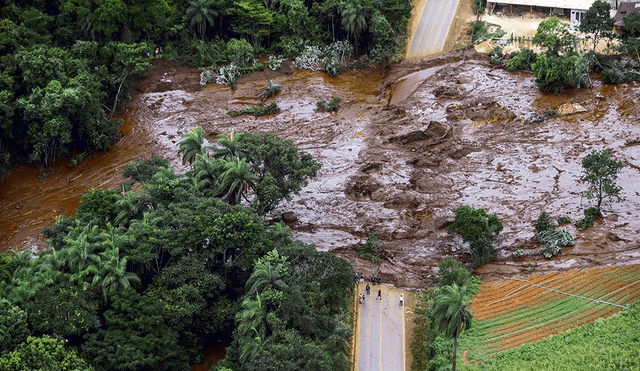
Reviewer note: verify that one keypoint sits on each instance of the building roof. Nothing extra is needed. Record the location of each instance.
(624, 9)
(566, 4)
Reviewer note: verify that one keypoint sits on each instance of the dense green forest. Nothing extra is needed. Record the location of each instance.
(67, 66)
(146, 279)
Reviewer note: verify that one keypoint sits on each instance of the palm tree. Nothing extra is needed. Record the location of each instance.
(227, 146)
(250, 347)
(451, 314)
(79, 253)
(201, 13)
(112, 275)
(251, 316)
(206, 170)
(267, 274)
(128, 207)
(236, 180)
(354, 20)
(191, 144)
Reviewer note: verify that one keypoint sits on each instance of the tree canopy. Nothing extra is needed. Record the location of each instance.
(144, 280)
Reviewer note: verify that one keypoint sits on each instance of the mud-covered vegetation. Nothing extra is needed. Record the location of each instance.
(68, 66)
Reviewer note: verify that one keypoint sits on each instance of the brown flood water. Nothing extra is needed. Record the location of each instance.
(454, 135)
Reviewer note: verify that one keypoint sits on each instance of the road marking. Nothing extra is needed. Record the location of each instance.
(404, 357)
(380, 345)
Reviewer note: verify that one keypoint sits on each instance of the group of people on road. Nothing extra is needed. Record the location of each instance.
(374, 280)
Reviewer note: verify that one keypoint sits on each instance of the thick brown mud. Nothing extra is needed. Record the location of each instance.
(455, 134)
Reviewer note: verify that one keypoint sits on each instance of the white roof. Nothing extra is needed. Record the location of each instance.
(567, 4)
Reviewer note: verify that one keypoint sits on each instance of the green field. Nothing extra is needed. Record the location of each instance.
(514, 312)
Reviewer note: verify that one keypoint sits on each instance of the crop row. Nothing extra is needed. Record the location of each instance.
(513, 312)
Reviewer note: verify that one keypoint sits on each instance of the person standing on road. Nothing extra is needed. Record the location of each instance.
(379, 295)
(401, 300)
(368, 289)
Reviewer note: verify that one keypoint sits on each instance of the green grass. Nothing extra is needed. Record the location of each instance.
(606, 344)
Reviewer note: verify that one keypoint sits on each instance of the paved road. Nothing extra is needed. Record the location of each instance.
(380, 331)
(433, 27)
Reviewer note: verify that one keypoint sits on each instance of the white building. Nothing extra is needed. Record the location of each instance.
(574, 9)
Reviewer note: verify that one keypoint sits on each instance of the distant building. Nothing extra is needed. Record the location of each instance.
(624, 9)
(573, 9)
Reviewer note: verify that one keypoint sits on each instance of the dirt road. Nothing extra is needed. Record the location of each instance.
(381, 335)
(433, 24)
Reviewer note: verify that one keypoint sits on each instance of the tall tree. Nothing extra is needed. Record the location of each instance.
(112, 275)
(253, 20)
(191, 144)
(600, 171)
(252, 328)
(354, 20)
(227, 146)
(236, 180)
(451, 314)
(201, 13)
(554, 35)
(268, 273)
(597, 22)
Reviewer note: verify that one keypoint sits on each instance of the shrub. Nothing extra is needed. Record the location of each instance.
(496, 52)
(618, 74)
(331, 66)
(274, 63)
(554, 239)
(256, 110)
(544, 222)
(310, 58)
(519, 252)
(206, 75)
(551, 113)
(563, 220)
(371, 249)
(535, 118)
(239, 52)
(521, 60)
(330, 107)
(590, 215)
(339, 50)
(452, 271)
(227, 75)
(479, 231)
(361, 63)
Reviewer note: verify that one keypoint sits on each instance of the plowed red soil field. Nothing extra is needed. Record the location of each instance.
(515, 311)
